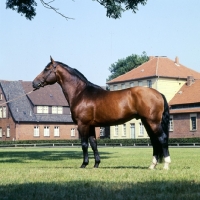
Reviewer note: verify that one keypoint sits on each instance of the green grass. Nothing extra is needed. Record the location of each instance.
(54, 173)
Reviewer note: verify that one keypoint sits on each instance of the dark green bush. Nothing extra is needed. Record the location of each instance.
(124, 142)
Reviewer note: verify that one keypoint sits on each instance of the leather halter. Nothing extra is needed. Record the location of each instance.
(52, 70)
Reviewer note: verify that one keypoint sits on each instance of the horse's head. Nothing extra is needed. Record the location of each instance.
(47, 76)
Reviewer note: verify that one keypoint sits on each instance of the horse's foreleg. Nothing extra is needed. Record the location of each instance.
(93, 143)
(84, 143)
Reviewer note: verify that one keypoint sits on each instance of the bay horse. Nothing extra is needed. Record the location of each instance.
(91, 106)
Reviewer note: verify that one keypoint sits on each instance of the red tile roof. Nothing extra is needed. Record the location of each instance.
(187, 94)
(158, 66)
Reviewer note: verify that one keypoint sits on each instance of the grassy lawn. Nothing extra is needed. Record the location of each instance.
(54, 173)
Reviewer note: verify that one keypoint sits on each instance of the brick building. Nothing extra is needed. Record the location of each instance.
(185, 111)
(41, 115)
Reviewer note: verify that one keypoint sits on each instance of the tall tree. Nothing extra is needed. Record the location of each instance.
(114, 8)
(126, 64)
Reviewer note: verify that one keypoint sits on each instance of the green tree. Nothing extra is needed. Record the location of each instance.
(126, 64)
(114, 8)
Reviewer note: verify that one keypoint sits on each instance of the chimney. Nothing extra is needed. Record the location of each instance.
(190, 80)
(177, 60)
(151, 57)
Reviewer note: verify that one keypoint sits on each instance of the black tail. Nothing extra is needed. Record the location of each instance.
(165, 117)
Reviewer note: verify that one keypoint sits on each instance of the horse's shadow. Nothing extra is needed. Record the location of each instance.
(124, 167)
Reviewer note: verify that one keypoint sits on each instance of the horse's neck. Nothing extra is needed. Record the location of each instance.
(71, 89)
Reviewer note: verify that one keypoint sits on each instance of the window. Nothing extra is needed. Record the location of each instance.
(193, 122)
(123, 86)
(124, 130)
(131, 84)
(115, 87)
(46, 131)
(3, 112)
(56, 131)
(8, 131)
(140, 83)
(141, 133)
(171, 123)
(72, 132)
(116, 130)
(102, 131)
(1, 135)
(1, 96)
(36, 131)
(149, 83)
(42, 109)
(57, 110)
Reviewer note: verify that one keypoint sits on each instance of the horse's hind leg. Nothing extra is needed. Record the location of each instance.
(157, 149)
(163, 139)
(93, 144)
(84, 143)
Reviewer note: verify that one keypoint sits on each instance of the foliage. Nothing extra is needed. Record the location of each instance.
(114, 7)
(24, 7)
(126, 64)
(124, 142)
(54, 173)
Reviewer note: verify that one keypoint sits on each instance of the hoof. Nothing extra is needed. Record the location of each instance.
(152, 166)
(96, 165)
(83, 165)
(166, 166)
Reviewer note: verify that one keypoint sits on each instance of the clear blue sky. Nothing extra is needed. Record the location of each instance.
(92, 42)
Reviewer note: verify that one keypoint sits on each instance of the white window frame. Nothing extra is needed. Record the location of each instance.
(45, 109)
(116, 130)
(46, 131)
(1, 112)
(56, 131)
(57, 110)
(149, 83)
(124, 130)
(123, 86)
(171, 123)
(60, 110)
(4, 112)
(141, 131)
(194, 116)
(8, 132)
(140, 83)
(115, 87)
(131, 84)
(102, 131)
(1, 132)
(42, 109)
(72, 132)
(36, 131)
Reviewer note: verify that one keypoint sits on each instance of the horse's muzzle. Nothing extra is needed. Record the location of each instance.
(36, 85)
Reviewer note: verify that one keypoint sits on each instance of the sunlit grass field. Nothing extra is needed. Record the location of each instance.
(54, 173)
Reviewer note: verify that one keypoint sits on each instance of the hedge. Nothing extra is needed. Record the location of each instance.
(124, 142)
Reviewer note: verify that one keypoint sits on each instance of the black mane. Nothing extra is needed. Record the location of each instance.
(75, 72)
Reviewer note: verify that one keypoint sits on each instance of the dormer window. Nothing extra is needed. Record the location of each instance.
(42, 109)
(57, 110)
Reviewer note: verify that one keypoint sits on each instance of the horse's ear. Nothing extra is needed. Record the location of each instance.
(52, 61)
